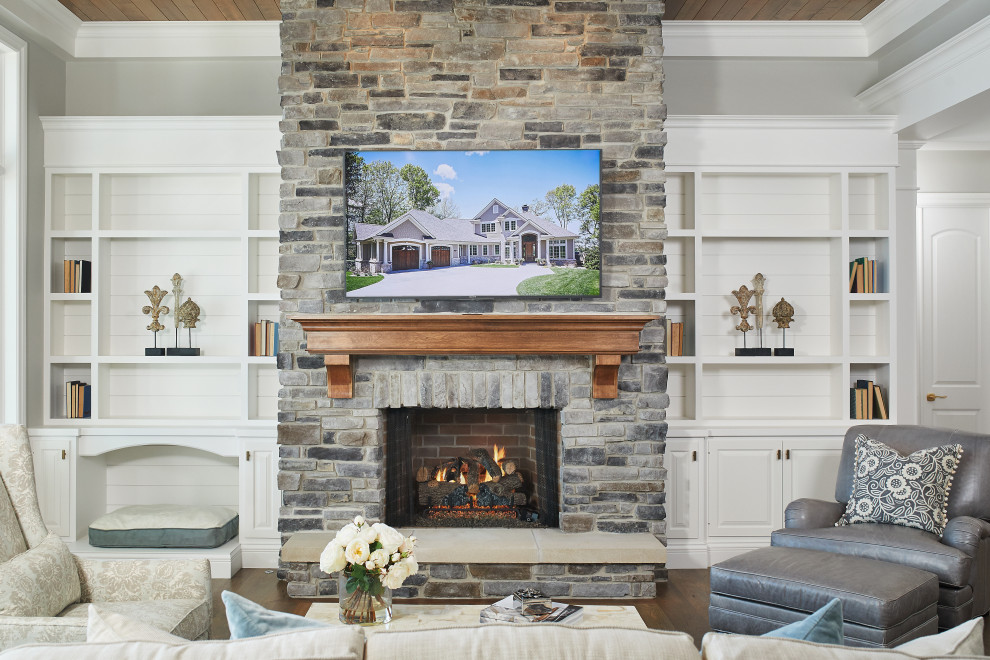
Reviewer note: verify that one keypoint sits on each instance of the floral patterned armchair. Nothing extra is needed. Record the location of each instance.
(45, 591)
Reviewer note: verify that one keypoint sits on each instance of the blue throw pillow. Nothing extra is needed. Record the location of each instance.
(823, 626)
(248, 619)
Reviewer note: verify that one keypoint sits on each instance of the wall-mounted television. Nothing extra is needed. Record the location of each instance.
(470, 224)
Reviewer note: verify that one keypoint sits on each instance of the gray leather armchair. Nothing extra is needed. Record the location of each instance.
(960, 558)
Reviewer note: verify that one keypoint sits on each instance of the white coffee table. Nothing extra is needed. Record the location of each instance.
(413, 617)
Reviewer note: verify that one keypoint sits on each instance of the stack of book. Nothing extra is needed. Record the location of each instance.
(863, 275)
(506, 610)
(264, 338)
(77, 399)
(675, 339)
(866, 401)
(77, 276)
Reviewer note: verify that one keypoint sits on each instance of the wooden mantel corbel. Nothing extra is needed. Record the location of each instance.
(606, 336)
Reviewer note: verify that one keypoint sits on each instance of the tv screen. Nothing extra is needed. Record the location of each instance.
(468, 224)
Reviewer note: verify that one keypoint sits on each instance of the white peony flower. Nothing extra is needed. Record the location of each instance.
(332, 558)
(368, 534)
(407, 545)
(396, 575)
(370, 565)
(379, 558)
(389, 538)
(396, 557)
(411, 565)
(346, 534)
(358, 520)
(357, 551)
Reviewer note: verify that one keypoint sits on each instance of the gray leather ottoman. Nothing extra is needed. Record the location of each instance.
(883, 604)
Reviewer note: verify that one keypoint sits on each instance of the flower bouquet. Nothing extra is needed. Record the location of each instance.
(373, 560)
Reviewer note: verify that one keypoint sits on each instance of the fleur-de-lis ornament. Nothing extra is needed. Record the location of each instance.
(743, 309)
(155, 309)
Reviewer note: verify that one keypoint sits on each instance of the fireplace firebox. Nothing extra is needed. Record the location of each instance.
(471, 467)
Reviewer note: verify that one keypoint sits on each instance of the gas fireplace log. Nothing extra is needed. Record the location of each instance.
(508, 467)
(486, 460)
(506, 485)
(519, 499)
(423, 474)
(433, 495)
(472, 476)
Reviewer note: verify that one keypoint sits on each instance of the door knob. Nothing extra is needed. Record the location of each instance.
(932, 396)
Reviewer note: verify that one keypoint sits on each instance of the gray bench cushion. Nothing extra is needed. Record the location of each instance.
(893, 543)
(883, 603)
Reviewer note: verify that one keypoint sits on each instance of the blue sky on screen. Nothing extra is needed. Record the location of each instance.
(472, 178)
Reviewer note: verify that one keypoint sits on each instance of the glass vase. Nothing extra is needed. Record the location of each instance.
(370, 606)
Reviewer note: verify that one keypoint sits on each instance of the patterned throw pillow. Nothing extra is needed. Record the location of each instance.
(912, 490)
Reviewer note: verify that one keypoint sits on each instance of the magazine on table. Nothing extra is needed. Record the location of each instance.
(505, 610)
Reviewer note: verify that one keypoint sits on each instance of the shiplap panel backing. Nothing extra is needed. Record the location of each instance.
(264, 392)
(680, 389)
(680, 265)
(769, 392)
(263, 256)
(744, 204)
(680, 201)
(72, 202)
(796, 269)
(868, 202)
(265, 201)
(170, 475)
(163, 391)
(211, 272)
(152, 202)
(869, 328)
(70, 327)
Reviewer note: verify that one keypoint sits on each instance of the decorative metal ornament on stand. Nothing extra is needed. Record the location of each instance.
(743, 295)
(155, 309)
(759, 287)
(189, 316)
(177, 294)
(783, 315)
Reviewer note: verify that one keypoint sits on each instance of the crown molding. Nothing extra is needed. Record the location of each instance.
(177, 39)
(791, 122)
(948, 74)
(212, 123)
(764, 39)
(46, 21)
(954, 199)
(892, 18)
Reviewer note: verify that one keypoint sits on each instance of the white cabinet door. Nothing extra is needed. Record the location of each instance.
(744, 486)
(259, 490)
(683, 487)
(53, 476)
(810, 468)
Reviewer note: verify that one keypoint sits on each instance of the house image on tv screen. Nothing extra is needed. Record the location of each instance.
(418, 240)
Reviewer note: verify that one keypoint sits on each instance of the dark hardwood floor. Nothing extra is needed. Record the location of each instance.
(681, 602)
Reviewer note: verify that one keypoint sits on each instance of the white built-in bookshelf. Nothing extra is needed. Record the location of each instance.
(143, 198)
(800, 230)
(796, 199)
(138, 226)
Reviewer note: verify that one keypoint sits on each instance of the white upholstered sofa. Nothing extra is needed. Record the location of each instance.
(44, 590)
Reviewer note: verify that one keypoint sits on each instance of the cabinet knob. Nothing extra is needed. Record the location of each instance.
(694, 455)
(63, 454)
(778, 454)
(787, 454)
(247, 456)
(932, 396)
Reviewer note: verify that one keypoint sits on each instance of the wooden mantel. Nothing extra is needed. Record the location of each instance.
(605, 336)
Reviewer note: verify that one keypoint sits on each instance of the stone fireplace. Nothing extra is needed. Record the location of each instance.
(458, 74)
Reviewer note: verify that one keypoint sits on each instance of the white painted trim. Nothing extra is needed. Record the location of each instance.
(950, 73)
(800, 39)
(210, 123)
(13, 231)
(953, 200)
(178, 39)
(45, 20)
(895, 17)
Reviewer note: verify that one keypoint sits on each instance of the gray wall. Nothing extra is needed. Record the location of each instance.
(954, 171)
(173, 87)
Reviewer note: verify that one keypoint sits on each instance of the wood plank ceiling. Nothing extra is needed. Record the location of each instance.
(268, 10)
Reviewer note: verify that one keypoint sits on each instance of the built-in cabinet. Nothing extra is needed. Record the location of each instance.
(796, 199)
(141, 199)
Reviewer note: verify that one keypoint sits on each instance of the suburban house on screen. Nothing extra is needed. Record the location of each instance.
(498, 234)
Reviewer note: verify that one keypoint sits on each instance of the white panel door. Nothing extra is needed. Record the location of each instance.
(53, 476)
(683, 487)
(810, 468)
(259, 490)
(744, 486)
(955, 253)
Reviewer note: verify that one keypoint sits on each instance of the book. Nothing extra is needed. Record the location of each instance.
(87, 401)
(867, 387)
(669, 328)
(86, 277)
(880, 405)
(67, 276)
(505, 611)
(852, 403)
